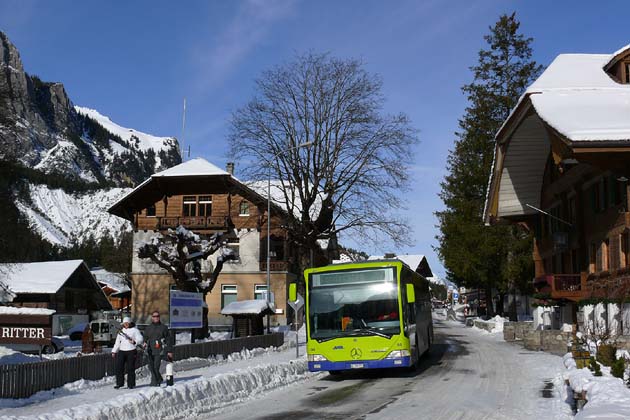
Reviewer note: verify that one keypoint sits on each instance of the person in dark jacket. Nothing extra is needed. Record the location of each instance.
(158, 343)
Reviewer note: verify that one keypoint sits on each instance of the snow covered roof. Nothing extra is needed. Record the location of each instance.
(39, 277)
(577, 99)
(193, 167)
(115, 281)
(580, 100)
(416, 262)
(13, 310)
(254, 307)
(413, 261)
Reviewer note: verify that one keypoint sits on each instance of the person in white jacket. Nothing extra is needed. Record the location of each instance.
(124, 353)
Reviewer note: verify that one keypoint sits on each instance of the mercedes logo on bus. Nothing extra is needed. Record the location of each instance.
(355, 353)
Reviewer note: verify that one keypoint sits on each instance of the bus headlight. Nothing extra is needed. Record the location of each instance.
(397, 354)
(316, 358)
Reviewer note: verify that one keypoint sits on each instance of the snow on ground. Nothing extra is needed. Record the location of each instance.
(12, 357)
(201, 386)
(607, 396)
(496, 323)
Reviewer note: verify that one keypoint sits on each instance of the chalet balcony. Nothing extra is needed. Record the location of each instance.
(199, 222)
(563, 286)
(275, 266)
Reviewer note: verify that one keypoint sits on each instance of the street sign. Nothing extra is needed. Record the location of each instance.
(455, 296)
(297, 303)
(186, 309)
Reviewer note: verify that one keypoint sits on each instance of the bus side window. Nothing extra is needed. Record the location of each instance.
(412, 312)
(409, 309)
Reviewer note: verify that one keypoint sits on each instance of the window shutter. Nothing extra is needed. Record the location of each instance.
(612, 186)
(594, 198)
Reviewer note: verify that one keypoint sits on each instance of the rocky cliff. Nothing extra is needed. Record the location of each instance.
(42, 129)
(61, 166)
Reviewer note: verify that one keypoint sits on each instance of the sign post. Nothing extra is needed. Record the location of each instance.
(296, 305)
(455, 297)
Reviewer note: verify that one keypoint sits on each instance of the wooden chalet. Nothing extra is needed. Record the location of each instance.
(68, 288)
(205, 199)
(561, 168)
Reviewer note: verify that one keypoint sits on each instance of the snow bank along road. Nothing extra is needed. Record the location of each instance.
(468, 374)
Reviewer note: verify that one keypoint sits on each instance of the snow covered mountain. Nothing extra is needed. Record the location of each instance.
(47, 143)
(63, 219)
(42, 129)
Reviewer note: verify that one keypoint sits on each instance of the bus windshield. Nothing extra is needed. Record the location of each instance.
(353, 303)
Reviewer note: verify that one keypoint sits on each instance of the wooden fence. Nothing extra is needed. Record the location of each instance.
(24, 380)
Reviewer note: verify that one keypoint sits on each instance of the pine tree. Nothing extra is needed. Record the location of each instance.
(475, 255)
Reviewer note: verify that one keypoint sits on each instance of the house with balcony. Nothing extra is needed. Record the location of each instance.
(561, 168)
(207, 200)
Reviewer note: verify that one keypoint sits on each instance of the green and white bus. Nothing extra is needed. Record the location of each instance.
(366, 315)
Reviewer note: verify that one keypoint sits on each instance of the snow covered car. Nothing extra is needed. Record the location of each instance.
(55, 346)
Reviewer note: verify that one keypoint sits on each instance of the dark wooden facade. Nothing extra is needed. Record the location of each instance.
(225, 211)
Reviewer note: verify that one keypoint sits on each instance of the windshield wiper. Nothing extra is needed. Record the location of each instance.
(368, 331)
(324, 339)
(358, 332)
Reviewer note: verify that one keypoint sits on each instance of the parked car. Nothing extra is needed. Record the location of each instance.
(55, 346)
(105, 331)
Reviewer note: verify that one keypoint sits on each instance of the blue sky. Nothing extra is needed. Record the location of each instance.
(136, 61)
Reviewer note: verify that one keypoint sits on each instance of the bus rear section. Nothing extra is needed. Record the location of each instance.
(357, 319)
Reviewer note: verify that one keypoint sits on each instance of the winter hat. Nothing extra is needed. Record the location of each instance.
(126, 319)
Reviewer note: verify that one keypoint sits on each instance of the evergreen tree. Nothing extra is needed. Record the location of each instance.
(475, 255)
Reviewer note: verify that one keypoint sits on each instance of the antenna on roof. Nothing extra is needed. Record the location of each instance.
(182, 148)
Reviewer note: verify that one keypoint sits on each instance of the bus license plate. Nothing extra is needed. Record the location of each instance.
(356, 365)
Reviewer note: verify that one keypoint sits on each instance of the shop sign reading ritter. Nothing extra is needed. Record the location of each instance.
(25, 329)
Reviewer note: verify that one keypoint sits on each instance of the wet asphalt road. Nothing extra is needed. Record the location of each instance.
(466, 375)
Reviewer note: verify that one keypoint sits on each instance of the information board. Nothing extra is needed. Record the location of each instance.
(186, 309)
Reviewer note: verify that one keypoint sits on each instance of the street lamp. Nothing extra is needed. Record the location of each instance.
(269, 221)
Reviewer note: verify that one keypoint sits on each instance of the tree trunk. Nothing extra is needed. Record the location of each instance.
(489, 304)
(501, 304)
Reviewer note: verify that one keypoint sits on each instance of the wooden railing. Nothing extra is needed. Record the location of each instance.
(275, 266)
(197, 222)
(24, 380)
(567, 283)
(564, 286)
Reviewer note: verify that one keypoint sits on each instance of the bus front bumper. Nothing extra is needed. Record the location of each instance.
(360, 364)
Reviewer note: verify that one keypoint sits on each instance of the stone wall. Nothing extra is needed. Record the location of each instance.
(484, 325)
(551, 341)
(516, 331)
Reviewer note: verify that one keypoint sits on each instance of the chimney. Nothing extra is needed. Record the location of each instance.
(229, 167)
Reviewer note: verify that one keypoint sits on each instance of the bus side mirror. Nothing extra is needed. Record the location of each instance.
(292, 292)
(411, 293)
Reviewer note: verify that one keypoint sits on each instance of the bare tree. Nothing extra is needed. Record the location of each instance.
(180, 252)
(350, 180)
